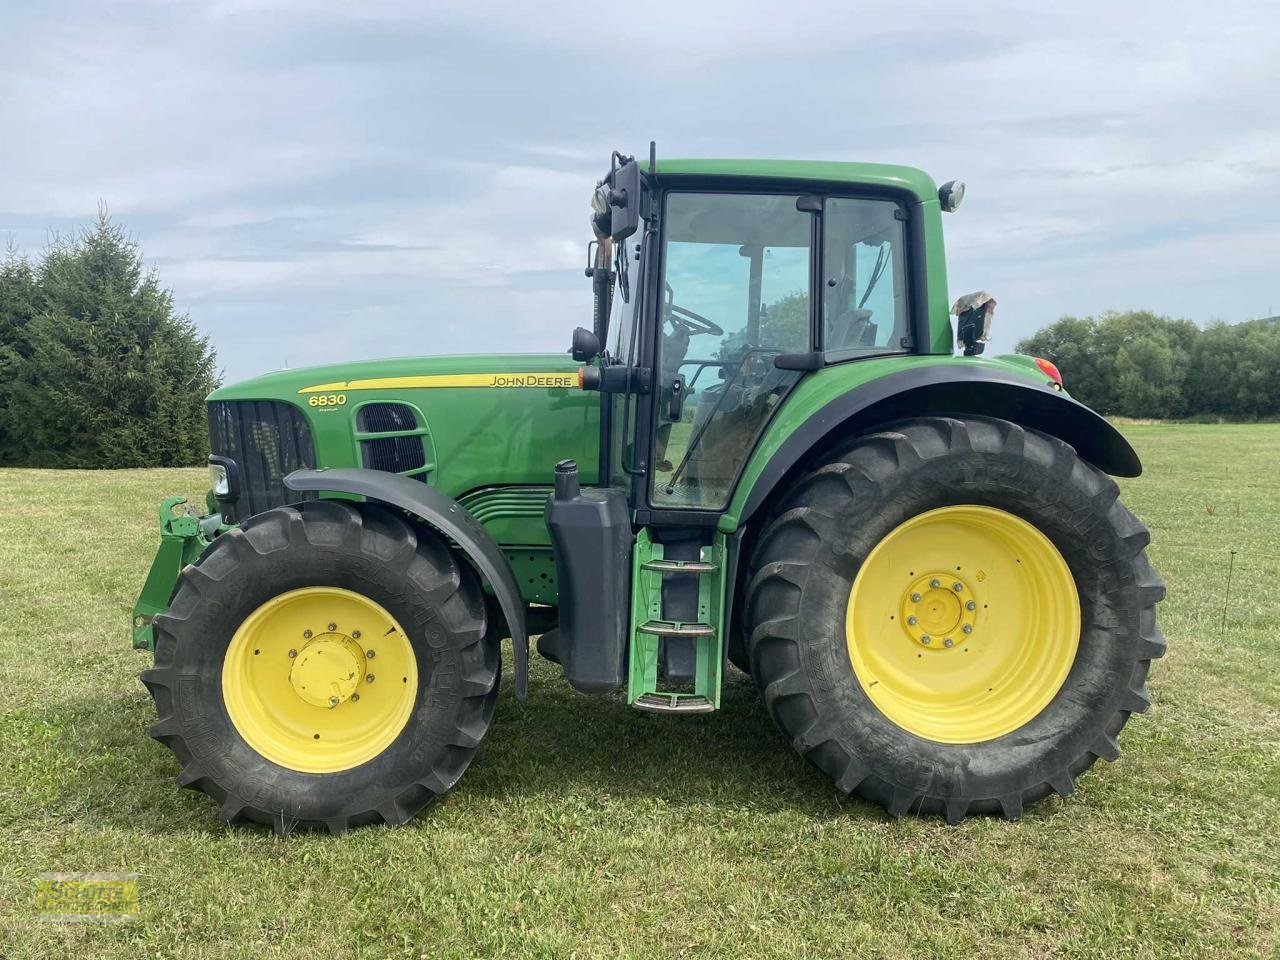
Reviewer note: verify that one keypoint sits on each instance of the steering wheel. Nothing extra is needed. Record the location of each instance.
(693, 323)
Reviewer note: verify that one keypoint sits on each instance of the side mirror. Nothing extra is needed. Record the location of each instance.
(586, 345)
(623, 196)
(973, 314)
(950, 194)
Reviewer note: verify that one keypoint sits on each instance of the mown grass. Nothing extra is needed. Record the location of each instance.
(586, 829)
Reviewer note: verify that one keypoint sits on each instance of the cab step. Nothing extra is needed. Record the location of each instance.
(668, 628)
(674, 703)
(677, 625)
(679, 566)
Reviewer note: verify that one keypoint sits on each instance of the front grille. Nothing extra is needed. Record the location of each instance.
(386, 418)
(394, 454)
(268, 440)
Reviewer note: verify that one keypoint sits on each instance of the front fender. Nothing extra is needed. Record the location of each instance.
(447, 517)
(953, 388)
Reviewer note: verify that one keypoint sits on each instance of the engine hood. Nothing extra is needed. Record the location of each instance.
(472, 424)
(499, 370)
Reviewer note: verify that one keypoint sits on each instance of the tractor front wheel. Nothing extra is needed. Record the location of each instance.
(325, 665)
(953, 616)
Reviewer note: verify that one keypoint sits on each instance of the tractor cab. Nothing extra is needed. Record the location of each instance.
(714, 295)
(712, 302)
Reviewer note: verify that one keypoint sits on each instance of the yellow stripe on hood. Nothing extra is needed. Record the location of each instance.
(537, 380)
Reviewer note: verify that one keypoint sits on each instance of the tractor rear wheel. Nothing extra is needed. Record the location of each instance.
(953, 616)
(325, 665)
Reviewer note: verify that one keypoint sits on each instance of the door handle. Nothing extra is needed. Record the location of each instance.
(675, 405)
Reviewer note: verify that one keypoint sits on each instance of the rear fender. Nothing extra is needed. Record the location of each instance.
(447, 517)
(944, 390)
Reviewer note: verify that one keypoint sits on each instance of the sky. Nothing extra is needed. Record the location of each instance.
(319, 181)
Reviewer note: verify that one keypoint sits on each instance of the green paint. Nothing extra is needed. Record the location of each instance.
(513, 515)
(647, 608)
(646, 604)
(181, 542)
(475, 437)
(823, 173)
(818, 389)
(535, 571)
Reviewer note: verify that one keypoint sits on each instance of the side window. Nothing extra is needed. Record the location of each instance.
(623, 344)
(864, 299)
(623, 312)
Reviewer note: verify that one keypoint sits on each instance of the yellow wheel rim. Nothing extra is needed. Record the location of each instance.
(963, 624)
(319, 679)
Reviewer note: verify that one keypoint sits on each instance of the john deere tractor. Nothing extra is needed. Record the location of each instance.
(770, 450)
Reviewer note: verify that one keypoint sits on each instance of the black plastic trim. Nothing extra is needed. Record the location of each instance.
(233, 478)
(447, 517)
(957, 390)
(592, 540)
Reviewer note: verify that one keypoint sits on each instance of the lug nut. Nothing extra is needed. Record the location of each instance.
(306, 634)
(369, 654)
(368, 678)
(292, 654)
(935, 582)
(926, 639)
(971, 605)
(333, 702)
(948, 642)
(333, 627)
(355, 634)
(967, 628)
(912, 621)
(355, 697)
(915, 598)
(958, 587)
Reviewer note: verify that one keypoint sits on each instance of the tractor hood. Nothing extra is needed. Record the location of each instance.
(296, 385)
(461, 423)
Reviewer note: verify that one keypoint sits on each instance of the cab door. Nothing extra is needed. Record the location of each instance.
(735, 292)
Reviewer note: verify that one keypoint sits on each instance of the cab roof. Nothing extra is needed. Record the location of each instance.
(887, 176)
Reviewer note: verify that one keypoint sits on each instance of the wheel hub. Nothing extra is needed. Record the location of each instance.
(328, 669)
(936, 608)
(299, 684)
(962, 623)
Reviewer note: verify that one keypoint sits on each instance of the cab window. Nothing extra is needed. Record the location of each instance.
(864, 299)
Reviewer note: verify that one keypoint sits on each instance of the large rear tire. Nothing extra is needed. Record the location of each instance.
(953, 616)
(325, 665)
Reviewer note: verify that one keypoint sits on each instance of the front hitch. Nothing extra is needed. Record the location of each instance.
(181, 542)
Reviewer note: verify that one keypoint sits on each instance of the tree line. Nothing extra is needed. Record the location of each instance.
(97, 368)
(1139, 364)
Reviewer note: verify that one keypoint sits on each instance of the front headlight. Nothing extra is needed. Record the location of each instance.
(219, 481)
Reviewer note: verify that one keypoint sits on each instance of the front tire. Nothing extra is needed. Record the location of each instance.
(953, 616)
(324, 665)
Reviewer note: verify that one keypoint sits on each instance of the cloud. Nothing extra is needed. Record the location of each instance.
(320, 180)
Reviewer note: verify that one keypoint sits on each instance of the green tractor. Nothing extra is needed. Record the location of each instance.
(766, 452)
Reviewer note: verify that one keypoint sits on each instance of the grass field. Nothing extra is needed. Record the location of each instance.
(585, 829)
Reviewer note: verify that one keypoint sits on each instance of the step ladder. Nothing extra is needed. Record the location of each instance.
(650, 626)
